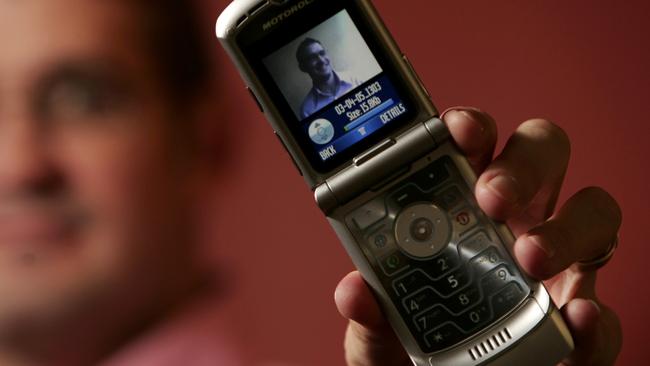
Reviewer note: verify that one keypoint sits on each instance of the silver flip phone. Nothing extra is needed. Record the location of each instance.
(363, 132)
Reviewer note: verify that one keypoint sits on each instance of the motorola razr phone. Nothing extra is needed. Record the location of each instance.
(363, 132)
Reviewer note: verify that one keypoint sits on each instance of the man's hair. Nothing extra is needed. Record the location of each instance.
(172, 29)
(302, 49)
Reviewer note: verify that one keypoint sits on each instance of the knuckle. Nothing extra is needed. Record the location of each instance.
(560, 237)
(363, 335)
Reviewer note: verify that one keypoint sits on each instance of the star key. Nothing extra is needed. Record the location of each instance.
(443, 336)
(438, 337)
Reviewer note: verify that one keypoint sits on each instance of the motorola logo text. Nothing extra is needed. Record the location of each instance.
(285, 14)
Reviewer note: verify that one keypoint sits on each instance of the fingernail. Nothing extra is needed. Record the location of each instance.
(468, 114)
(537, 241)
(505, 187)
(339, 294)
(595, 305)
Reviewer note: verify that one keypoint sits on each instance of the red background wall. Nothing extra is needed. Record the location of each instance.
(583, 64)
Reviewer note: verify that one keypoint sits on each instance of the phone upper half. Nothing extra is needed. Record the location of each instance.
(330, 78)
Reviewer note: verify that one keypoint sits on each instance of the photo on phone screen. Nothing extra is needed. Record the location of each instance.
(331, 54)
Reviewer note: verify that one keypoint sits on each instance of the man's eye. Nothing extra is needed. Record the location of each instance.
(74, 97)
(79, 99)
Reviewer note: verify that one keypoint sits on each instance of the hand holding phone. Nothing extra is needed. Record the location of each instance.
(596, 329)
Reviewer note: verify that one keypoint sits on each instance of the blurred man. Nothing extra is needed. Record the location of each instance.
(99, 171)
(327, 85)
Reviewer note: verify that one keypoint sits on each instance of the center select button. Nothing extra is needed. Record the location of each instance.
(422, 230)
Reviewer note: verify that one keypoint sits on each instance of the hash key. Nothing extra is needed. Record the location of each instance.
(507, 299)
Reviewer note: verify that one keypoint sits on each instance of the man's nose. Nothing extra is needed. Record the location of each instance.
(24, 159)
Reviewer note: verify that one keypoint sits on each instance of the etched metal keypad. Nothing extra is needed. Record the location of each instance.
(438, 257)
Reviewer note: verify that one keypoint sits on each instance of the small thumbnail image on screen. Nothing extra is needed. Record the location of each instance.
(322, 65)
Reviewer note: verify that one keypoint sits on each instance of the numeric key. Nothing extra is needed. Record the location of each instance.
(463, 300)
(423, 299)
(446, 261)
(431, 318)
(497, 278)
(411, 282)
(475, 317)
(453, 282)
(474, 245)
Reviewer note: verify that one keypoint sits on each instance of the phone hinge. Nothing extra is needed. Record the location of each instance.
(373, 152)
(380, 163)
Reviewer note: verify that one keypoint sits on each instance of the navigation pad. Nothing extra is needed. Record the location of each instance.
(438, 256)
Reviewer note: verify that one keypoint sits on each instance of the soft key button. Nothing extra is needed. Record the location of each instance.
(431, 176)
(368, 214)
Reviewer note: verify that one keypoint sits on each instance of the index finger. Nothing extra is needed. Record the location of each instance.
(475, 134)
(583, 229)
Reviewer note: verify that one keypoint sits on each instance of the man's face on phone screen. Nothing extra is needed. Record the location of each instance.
(316, 61)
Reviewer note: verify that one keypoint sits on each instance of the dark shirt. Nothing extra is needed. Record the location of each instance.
(317, 99)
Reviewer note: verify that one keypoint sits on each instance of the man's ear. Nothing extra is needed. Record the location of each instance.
(302, 67)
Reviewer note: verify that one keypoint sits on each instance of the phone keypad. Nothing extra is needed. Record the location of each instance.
(461, 288)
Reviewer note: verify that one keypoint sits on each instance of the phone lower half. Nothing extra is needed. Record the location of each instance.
(443, 272)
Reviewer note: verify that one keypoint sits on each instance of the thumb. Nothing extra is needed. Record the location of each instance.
(369, 339)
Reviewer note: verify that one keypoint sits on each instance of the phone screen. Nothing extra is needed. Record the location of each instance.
(333, 88)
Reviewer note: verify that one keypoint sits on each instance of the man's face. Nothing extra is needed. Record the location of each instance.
(92, 168)
(316, 62)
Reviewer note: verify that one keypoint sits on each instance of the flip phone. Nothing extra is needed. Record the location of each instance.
(362, 130)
